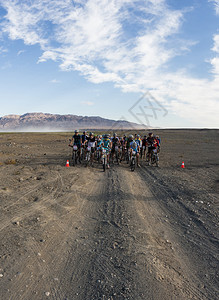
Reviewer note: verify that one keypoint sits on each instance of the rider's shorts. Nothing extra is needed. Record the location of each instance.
(150, 149)
(78, 145)
(113, 149)
(92, 149)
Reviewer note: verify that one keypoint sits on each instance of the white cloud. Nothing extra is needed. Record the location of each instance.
(88, 103)
(128, 42)
(216, 5)
(20, 52)
(55, 81)
(3, 50)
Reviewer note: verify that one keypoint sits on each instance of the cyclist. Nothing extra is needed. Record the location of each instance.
(127, 146)
(98, 144)
(76, 141)
(139, 141)
(91, 143)
(84, 138)
(144, 144)
(134, 146)
(128, 141)
(99, 140)
(158, 142)
(107, 144)
(151, 143)
(123, 144)
(115, 143)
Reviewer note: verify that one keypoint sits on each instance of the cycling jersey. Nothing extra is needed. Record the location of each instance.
(123, 141)
(77, 140)
(99, 142)
(134, 146)
(156, 143)
(128, 143)
(150, 141)
(106, 143)
(84, 137)
(139, 142)
(144, 142)
(91, 142)
(115, 141)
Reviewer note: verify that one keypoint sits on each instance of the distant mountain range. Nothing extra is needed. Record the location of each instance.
(54, 122)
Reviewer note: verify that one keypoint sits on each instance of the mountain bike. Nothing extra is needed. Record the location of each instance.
(153, 158)
(75, 155)
(127, 156)
(133, 161)
(104, 158)
(98, 154)
(116, 155)
(83, 153)
(142, 151)
(88, 156)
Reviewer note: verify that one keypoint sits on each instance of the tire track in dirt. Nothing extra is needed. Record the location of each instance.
(197, 246)
(155, 241)
(43, 268)
(111, 241)
(125, 259)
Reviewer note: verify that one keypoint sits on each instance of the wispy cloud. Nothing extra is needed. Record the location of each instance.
(3, 50)
(216, 5)
(20, 52)
(127, 42)
(88, 103)
(55, 81)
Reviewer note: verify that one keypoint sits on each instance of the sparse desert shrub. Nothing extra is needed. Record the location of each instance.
(11, 162)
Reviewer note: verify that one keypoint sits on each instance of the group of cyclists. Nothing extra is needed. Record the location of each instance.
(119, 148)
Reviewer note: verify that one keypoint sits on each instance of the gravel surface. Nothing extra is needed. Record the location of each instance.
(80, 233)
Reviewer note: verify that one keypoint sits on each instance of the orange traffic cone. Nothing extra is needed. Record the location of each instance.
(67, 163)
(183, 165)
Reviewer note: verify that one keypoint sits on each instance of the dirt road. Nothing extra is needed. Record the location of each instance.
(79, 233)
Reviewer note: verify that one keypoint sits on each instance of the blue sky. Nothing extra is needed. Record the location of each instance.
(98, 57)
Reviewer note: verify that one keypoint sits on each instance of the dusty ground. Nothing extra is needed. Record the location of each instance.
(79, 233)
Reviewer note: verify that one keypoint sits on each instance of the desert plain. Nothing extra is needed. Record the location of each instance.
(80, 233)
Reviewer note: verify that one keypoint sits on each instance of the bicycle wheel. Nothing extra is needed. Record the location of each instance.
(147, 159)
(157, 160)
(104, 164)
(133, 164)
(73, 158)
(117, 157)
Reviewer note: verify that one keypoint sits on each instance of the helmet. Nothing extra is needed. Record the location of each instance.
(76, 131)
(131, 136)
(115, 134)
(150, 134)
(138, 136)
(91, 133)
(84, 132)
(106, 136)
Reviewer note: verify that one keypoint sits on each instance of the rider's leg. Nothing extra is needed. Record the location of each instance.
(107, 158)
(79, 154)
(138, 159)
